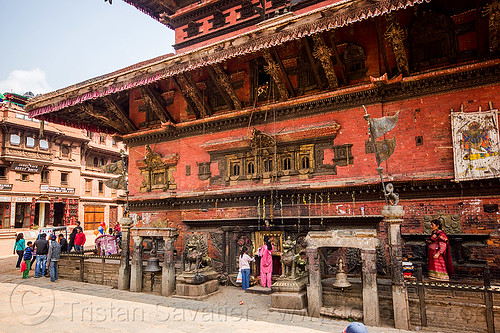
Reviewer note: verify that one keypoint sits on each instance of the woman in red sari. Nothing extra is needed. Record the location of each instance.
(440, 264)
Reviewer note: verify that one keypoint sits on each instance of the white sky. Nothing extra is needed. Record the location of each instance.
(51, 44)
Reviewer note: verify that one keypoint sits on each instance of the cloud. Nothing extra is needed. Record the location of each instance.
(20, 82)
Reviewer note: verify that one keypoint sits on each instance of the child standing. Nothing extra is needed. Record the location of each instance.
(28, 254)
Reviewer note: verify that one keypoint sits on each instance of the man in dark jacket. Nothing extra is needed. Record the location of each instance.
(42, 249)
(53, 258)
(63, 242)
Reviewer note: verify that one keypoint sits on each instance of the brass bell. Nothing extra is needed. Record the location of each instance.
(341, 278)
(153, 265)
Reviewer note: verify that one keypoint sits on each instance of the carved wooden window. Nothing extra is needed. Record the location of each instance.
(65, 150)
(235, 169)
(159, 178)
(354, 60)
(30, 142)
(44, 144)
(203, 170)
(44, 176)
(305, 162)
(64, 178)
(432, 40)
(250, 168)
(96, 162)
(268, 165)
(342, 155)
(193, 29)
(287, 163)
(247, 9)
(15, 140)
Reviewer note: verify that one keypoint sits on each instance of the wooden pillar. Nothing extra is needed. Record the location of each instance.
(124, 270)
(393, 215)
(371, 311)
(314, 289)
(136, 269)
(168, 270)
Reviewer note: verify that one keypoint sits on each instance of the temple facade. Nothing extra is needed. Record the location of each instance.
(256, 125)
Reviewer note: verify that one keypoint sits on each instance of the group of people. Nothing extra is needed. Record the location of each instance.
(44, 254)
(265, 254)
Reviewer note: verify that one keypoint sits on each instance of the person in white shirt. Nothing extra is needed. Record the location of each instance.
(245, 268)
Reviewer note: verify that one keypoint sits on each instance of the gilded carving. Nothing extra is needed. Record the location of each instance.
(273, 69)
(157, 172)
(396, 36)
(492, 11)
(452, 223)
(324, 54)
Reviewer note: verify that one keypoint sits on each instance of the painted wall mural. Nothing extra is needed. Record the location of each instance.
(475, 145)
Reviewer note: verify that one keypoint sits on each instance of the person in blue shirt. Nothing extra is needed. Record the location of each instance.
(28, 254)
(19, 248)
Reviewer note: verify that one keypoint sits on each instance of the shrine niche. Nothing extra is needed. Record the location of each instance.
(432, 40)
(157, 171)
(354, 60)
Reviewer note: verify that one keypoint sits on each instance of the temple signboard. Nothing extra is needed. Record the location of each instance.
(26, 167)
(5, 187)
(475, 145)
(57, 189)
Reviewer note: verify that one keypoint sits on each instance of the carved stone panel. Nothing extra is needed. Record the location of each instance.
(451, 223)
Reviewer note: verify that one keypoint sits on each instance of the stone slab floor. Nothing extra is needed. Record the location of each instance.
(37, 305)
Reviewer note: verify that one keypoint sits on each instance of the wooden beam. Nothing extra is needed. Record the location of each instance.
(184, 94)
(154, 101)
(196, 95)
(381, 47)
(225, 82)
(89, 109)
(272, 69)
(215, 81)
(119, 113)
(324, 54)
(305, 42)
(283, 72)
(337, 57)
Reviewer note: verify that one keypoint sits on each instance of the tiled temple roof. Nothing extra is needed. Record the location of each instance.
(279, 32)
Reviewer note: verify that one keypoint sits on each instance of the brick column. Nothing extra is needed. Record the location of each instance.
(393, 215)
(124, 270)
(168, 270)
(136, 269)
(314, 289)
(371, 311)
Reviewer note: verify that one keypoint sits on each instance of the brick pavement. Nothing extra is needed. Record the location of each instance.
(68, 306)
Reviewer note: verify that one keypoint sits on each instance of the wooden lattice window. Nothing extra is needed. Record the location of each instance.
(219, 20)
(247, 9)
(193, 29)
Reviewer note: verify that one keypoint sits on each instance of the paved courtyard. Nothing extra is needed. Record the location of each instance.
(66, 306)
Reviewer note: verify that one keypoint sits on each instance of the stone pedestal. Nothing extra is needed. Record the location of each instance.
(136, 269)
(197, 285)
(289, 295)
(393, 215)
(124, 270)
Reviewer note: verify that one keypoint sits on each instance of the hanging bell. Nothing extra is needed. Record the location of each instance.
(153, 265)
(341, 278)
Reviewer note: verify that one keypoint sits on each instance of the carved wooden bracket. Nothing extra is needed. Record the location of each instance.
(89, 109)
(154, 102)
(194, 94)
(396, 36)
(272, 69)
(222, 80)
(113, 106)
(324, 54)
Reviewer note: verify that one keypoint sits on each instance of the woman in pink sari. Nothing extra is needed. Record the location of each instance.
(266, 263)
(440, 264)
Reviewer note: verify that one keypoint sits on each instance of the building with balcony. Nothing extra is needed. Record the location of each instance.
(44, 176)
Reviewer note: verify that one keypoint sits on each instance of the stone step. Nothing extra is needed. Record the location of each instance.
(7, 234)
(259, 290)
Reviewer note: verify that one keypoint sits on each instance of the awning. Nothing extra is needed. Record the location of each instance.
(296, 27)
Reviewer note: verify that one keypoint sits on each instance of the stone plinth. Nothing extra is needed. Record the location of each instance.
(289, 295)
(196, 291)
(197, 284)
